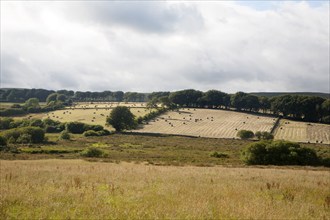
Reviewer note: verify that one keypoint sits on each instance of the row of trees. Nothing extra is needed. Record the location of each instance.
(21, 95)
(299, 107)
(54, 101)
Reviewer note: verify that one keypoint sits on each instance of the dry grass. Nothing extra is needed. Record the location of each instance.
(75, 189)
(95, 116)
(303, 132)
(89, 113)
(109, 104)
(208, 123)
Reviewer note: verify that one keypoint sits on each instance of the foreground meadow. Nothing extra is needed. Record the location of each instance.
(76, 189)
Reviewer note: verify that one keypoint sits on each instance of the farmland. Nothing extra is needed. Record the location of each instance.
(195, 122)
(303, 132)
(75, 189)
(207, 123)
(89, 113)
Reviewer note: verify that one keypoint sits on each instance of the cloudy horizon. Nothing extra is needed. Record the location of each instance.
(231, 46)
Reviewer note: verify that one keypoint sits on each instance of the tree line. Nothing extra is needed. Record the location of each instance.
(298, 107)
(22, 95)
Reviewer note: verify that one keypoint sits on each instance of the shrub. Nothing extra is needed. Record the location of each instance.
(219, 155)
(64, 135)
(51, 129)
(3, 143)
(36, 123)
(12, 112)
(245, 134)
(5, 123)
(90, 133)
(93, 127)
(103, 132)
(264, 135)
(75, 127)
(326, 119)
(279, 153)
(24, 139)
(93, 152)
(36, 134)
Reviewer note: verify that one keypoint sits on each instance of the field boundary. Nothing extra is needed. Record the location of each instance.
(159, 134)
(272, 131)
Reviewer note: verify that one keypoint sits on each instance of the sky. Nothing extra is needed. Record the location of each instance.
(144, 46)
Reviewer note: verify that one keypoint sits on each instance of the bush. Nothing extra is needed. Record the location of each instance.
(93, 152)
(103, 132)
(219, 155)
(264, 135)
(279, 153)
(93, 127)
(245, 134)
(90, 133)
(5, 123)
(37, 123)
(326, 119)
(52, 126)
(75, 127)
(20, 135)
(12, 112)
(3, 143)
(24, 139)
(64, 135)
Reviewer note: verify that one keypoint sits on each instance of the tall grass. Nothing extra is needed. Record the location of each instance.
(75, 189)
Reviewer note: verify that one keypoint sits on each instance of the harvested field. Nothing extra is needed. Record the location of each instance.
(303, 132)
(207, 123)
(88, 116)
(99, 105)
(89, 113)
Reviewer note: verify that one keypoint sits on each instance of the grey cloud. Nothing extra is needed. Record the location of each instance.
(151, 46)
(153, 16)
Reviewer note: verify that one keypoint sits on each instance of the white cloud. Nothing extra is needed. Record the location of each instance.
(150, 46)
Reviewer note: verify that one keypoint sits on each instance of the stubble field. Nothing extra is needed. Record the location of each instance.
(89, 113)
(75, 189)
(303, 132)
(207, 123)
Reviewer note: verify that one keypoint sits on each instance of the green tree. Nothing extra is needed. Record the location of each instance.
(264, 135)
(32, 103)
(279, 153)
(121, 118)
(65, 135)
(245, 134)
(51, 97)
(61, 97)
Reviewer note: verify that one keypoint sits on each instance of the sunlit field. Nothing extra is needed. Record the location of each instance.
(303, 132)
(90, 113)
(207, 123)
(89, 116)
(75, 189)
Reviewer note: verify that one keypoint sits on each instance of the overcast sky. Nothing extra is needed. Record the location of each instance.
(166, 46)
